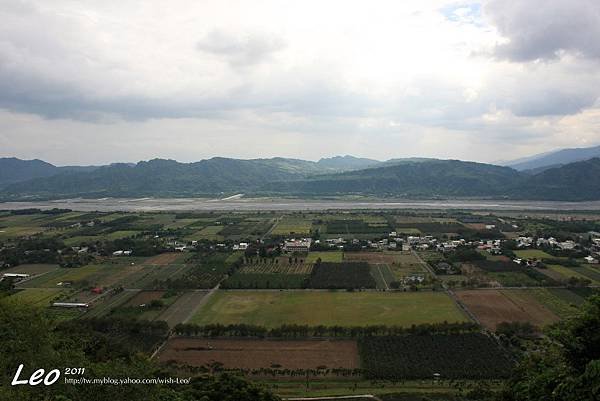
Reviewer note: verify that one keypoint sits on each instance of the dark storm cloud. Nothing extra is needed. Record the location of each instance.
(542, 29)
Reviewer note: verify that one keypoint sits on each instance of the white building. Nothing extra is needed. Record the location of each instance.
(297, 245)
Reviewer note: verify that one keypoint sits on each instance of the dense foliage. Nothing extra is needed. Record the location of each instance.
(265, 280)
(466, 356)
(29, 338)
(567, 367)
(304, 331)
(341, 275)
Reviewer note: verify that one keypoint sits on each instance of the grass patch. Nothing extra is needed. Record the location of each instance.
(533, 254)
(332, 257)
(276, 308)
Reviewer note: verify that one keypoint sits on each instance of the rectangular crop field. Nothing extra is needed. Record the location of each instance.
(491, 307)
(32, 270)
(277, 268)
(591, 273)
(292, 226)
(341, 275)
(275, 308)
(167, 259)
(331, 256)
(533, 253)
(458, 356)
(256, 354)
(209, 233)
(266, 281)
(182, 308)
(558, 300)
(566, 272)
(37, 296)
(372, 257)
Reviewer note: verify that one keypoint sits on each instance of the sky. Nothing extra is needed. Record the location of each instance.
(95, 82)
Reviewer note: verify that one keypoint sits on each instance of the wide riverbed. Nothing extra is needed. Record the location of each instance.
(243, 204)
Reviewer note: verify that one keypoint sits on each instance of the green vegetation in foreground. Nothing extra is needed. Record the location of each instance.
(331, 388)
(276, 308)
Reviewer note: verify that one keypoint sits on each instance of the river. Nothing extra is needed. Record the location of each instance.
(250, 204)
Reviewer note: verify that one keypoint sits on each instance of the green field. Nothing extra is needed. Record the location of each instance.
(292, 225)
(209, 233)
(533, 253)
(567, 272)
(333, 256)
(555, 300)
(32, 269)
(275, 308)
(37, 296)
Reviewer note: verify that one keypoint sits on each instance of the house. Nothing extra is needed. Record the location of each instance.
(17, 276)
(70, 304)
(300, 245)
(122, 253)
(242, 246)
(567, 245)
(590, 260)
(96, 290)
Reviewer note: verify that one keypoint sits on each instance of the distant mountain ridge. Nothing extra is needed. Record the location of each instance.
(538, 163)
(337, 176)
(15, 170)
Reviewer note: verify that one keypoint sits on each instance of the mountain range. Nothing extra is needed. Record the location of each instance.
(544, 161)
(335, 176)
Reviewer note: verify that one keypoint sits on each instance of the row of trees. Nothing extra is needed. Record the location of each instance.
(304, 331)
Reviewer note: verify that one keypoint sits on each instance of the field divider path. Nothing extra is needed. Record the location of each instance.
(31, 278)
(448, 291)
(387, 287)
(425, 264)
(270, 230)
(462, 306)
(191, 314)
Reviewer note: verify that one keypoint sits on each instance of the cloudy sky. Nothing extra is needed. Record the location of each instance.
(91, 82)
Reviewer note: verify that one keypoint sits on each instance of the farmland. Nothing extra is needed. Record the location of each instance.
(180, 310)
(266, 281)
(256, 354)
(275, 308)
(341, 275)
(494, 306)
(38, 296)
(362, 307)
(473, 356)
(292, 226)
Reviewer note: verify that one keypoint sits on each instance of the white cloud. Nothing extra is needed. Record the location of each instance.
(192, 79)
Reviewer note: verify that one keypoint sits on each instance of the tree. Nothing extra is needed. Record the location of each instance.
(567, 368)
(31, 339)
